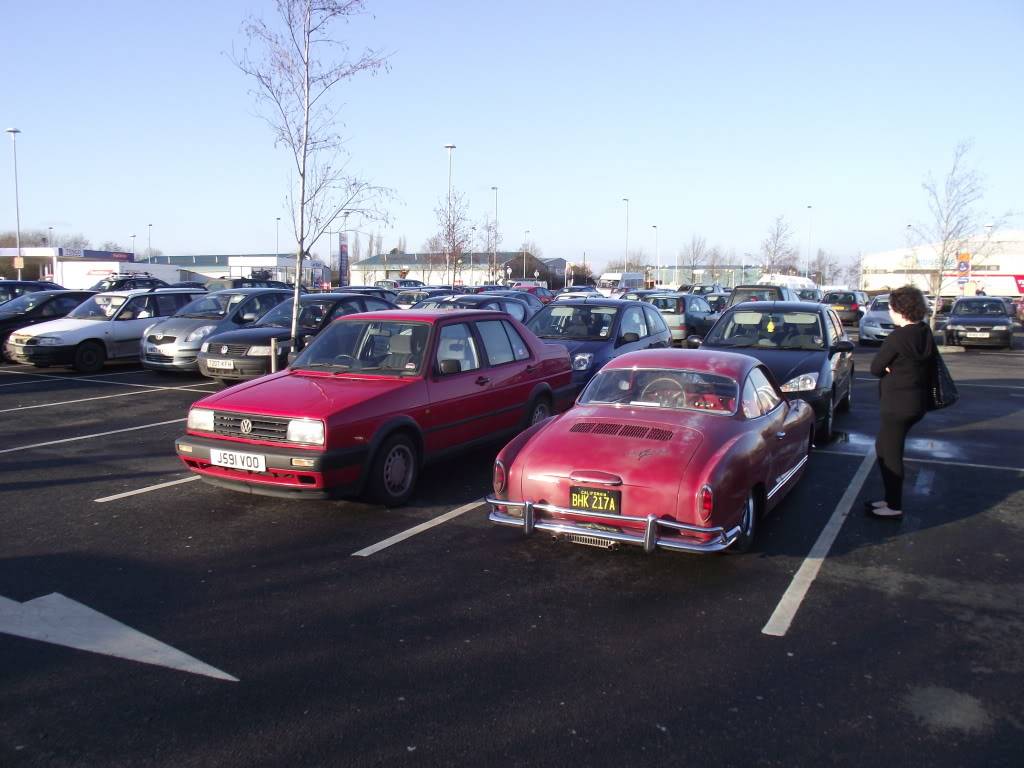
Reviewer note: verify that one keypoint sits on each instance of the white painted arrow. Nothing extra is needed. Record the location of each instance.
(60, 620)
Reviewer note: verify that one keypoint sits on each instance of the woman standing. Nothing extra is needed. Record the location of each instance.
(904, 364)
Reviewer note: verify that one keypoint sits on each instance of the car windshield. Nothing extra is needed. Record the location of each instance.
(974, 307)
(880, 305)
(582, 322)
(212, 305)
(411, 297)
(313, 314)
(107, 284)
(102, 307)
(768, 330)
(378, 347)
(24, 303)
(663, 388)
(608, 284)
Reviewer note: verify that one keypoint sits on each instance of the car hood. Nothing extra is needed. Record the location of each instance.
(62, 325)
(785, 363)
(309, 395)
(181, 327)
(594, 347)
(256, 335)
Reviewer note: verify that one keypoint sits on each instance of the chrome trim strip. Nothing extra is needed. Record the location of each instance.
(649, 541)
(787, 477)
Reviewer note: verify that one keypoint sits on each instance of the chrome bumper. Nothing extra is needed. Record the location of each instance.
(649, 540)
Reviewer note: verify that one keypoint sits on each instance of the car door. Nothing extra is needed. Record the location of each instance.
(127, 326)
(633, 333)
(841, 362)
(698, 315)
(459, 390)
(657, 328)
(510, 368)
(785, 445)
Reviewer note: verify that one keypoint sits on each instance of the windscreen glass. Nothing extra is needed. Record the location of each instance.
(663, 388)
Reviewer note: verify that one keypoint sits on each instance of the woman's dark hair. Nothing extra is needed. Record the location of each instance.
(909, 302)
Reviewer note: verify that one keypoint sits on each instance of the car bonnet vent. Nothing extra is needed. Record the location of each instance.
(622, 430)
(607, 429)
(633, 431)
(582, 426)
(659, 434)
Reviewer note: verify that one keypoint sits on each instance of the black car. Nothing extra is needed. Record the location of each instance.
(849, 306)
(224, 283)
(12, 289)
(245, 353)
(759, 292)
(514, 306)
(980, 321)
(370, 290)
(36, 307)
(805, 347)
(535, 304)
(128, 281)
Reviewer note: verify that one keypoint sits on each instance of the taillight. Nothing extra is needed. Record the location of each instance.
(500, 477)
(706, 502)
(854, 307)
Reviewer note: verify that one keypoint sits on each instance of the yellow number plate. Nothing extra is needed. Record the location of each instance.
(595, 500)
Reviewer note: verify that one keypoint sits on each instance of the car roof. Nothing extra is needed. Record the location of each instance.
(428, 315)
(148, 291)
(731, 364)
(250, 291)
(61, 292)
(599, 301)
(795, 306)
(474, 298)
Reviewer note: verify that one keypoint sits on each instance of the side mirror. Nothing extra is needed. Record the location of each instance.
(694, 342)
(628, 338)
(450, 366)
(841, 346)
(247, 317)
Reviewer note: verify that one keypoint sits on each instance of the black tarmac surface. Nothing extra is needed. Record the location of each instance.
(470, 645)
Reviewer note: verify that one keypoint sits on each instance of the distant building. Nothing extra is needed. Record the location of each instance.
(439, 269)
(281, 266)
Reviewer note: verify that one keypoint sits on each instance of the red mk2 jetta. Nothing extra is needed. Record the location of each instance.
(665, 449)
(371, 399)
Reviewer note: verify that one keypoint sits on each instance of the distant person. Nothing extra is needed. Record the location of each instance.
(904, 365)
(980, 292)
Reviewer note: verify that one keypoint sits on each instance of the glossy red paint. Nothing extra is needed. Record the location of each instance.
(663, 461)
(440, 413)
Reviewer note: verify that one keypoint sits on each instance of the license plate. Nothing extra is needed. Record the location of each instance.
(838, 307)
(976, 335)
(220, 365)
(253, 462)
(595, 500)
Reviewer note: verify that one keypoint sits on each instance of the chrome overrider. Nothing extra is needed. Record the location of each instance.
(649, 541)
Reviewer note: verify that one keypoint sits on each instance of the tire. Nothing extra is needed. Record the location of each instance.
(89, 357)
(394, 472)
(823, 435)
(539, 410)
(748, 525)
(3, 350)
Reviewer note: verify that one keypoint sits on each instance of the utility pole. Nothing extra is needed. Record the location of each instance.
(17, 205)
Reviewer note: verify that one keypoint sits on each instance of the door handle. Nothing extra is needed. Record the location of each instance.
(481, 380)
(780, 435)
(531, 368)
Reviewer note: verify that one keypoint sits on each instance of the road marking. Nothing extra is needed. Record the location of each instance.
(89, 437)
(60, 620)
(375, 548)
(147, 489)
(968, 384)
(178, 387)
(998, 467)
(785, 611)
(80, 400)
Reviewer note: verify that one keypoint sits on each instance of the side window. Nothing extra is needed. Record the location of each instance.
(456, 344)
(517, 311)
(345, 308)
(496, 343)
(751, 405)
(264, 303)
(136, 309)
(519, 348)
(50, 308)
(766, 394)
(655, 322)
(374, 305)
(167, 304)
(837, 326)
(633, 322)
(66, 303)
(700, 305)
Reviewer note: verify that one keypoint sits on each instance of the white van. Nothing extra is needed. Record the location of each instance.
(614, 284)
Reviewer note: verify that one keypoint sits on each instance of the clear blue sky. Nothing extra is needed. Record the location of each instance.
(711, 117)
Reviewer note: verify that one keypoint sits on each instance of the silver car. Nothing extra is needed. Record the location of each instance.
(876, 323)
(173, 343)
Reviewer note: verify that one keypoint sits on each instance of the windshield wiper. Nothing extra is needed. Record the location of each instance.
(735, 342)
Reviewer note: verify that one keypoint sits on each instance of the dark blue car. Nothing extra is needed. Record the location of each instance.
(596, 330)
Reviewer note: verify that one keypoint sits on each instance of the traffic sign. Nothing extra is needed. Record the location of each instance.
(963, 280)
(963, 262)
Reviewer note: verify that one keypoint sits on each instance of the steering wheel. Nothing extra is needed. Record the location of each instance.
(666, 391)
(348, 360)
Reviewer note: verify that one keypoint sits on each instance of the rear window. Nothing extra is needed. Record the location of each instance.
(755, 294)
(665, 303)
(841, 298)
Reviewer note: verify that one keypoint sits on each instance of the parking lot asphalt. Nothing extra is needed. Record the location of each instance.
(465, 644)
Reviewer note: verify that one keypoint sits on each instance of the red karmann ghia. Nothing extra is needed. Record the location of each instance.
(665, 449)
(373, 398)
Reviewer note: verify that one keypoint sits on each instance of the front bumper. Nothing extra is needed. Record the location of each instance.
(874, 333)
(334, 474)
(997, 337)
(170, 357)
(243, 368)
(687, 538)
(35, 354)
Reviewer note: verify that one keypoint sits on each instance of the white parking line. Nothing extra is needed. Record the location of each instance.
(89, 437)
(181, 387)
(147, 489)
(375, 548)
(80, 400)
(785, 611)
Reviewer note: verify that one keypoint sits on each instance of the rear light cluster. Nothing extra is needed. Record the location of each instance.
(500, 478)
(854, 307)
(705, 502)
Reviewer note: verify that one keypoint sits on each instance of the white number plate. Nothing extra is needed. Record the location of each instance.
(254, 462)
(976, 335)
(220, 365)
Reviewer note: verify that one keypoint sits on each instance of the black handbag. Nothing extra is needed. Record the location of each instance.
(943, 392)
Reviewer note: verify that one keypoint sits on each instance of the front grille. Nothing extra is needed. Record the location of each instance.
(263, 427)
(887, 326)
(621, 430)
(155, 358)
(232, 350)
(160, 340)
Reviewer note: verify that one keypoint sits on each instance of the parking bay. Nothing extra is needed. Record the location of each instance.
(470, 644)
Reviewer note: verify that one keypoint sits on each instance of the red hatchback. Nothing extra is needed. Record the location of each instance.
(666, 449)
(371, 399)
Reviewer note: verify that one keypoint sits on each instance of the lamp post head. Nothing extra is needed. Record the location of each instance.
(13, 131)
(449, 146)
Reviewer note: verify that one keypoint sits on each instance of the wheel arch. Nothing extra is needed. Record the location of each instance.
(399, 425)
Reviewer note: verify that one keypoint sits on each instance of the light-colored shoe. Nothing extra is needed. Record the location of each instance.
(886, 512)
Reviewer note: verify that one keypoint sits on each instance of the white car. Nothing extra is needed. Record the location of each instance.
(107, 326)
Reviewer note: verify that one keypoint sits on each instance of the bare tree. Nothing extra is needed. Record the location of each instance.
(855, 270)
(777, 249)
(955, 224)
(454, 229)
(693, 254)
(293, 86)
(637, 262)
(432, 252)
(715, 261)
(111, 245)
(40, 238)
(824, 266)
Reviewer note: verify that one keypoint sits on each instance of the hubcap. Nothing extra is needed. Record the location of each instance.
(540, 412)
(398, 470)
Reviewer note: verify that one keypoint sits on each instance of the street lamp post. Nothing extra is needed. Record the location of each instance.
(50, 241)
(17, 205)
(526, 236)
(626, 254)
(149, 242)
(277, 238)
(657, 256)
(808, 273)
(448, 227)
(133, 245)
(494, 254)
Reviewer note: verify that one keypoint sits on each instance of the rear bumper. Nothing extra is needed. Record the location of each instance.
(686, 538)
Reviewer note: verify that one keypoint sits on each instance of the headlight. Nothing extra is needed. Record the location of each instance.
(871, 324)
(802, 383)
(955, 328)
(205, 347)
(48, 341)
(198, 333)
(305, 431)
(200, 418)
(581, 361)
(258, 352)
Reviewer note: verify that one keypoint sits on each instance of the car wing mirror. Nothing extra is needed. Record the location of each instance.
(628, 338)
(694, 342)
(450, 366)
(843, 346)
(247, 317)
